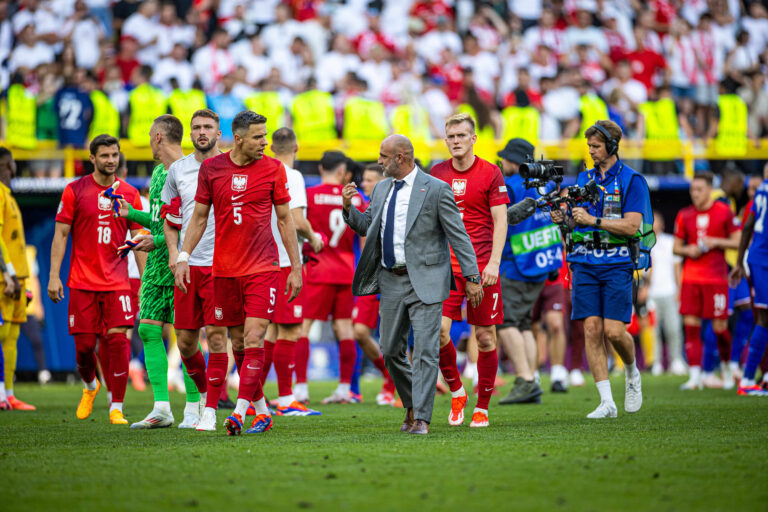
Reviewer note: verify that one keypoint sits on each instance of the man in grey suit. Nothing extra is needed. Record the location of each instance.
(409, 223)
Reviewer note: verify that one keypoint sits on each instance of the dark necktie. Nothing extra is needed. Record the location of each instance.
(389, 229)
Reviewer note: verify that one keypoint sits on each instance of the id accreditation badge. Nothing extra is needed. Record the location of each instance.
(612, 206)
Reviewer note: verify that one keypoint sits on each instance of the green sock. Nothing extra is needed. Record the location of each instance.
(193, 395)
(155, 360)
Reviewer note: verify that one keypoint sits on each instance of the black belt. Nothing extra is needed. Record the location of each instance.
(399, 270)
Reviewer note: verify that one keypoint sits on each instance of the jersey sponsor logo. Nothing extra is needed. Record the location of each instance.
(219, 313)
(297, 311)
(104, 216)
(239, 182)
(71, 320)
(104, 203)
(459, 187)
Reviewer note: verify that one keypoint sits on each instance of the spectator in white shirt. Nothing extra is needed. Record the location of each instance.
(172, 31)
(377, 71)
(296, 64)
(213, 60)
(757, 26)
(431, 44)
(85, 34)
(546, 33)
(278, 35)
(176, 67)
(6, 32)
(249, 53)
(742, 60)
(335, 65)
(586, 33)
(45, 22)
(144, 27)
(29, 54)
(529, 11)
(484, 65)
(632, 92)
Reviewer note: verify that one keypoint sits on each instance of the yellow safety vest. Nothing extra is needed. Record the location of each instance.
(106, 118)
(411, 121)
(731, 137)
(364, 119)
(183, 104)
(660, 119)
(21, 118)
(147, 104)
(521, 122)
(313, 116)
(485, 147)
(268, 104)
(593, 109)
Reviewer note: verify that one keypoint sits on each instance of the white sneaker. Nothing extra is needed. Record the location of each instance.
(727, 373)
(44, 377)
(191, 420)
(207, 421)
(301, 393)
(577, 379)
(712, 381)
(604, 410)
(155, 419)
(336, 398)
(678, 367)
(176, 381)
(657, 369)
(633, 398)
(692, 384)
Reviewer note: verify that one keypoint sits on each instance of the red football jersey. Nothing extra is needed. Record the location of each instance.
(691, 226)
(242, 199)
(475, 190)
(335, 264)
(96, 235)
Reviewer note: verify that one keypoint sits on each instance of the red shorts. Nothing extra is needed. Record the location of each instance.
(704, 300)
(238, 298)
(366, 311)
(285, 313)
(194, 309)
(322, 300)
(97, 312)
(554, 297)
(135, 287)
(489, 312)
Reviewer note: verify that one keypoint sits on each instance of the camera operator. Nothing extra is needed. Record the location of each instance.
(531, 252)
(606, 248)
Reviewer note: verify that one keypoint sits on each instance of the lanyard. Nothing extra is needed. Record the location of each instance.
(616, 189)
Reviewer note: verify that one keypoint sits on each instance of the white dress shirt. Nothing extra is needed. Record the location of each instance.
(401, 215)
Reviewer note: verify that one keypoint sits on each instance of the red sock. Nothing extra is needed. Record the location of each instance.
(250, 373)
(724, 344)
(103, 354)
(487, 365)
(449, 368)
(389, 384)
(577, 344)
(347, 356)
(224, 395)
(693, 344)
(269, 349)
(195, 366)
(284, 366)
(239, 357)
(119, 359)
(217, 378)
(85, 347)
(301, 358)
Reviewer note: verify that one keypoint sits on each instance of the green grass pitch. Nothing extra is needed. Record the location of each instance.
(683, 451)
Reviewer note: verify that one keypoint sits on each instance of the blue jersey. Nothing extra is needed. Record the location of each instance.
(227, 106)
(758, 251)
(74, 110)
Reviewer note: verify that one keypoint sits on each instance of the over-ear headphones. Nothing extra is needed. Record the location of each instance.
(611, 144)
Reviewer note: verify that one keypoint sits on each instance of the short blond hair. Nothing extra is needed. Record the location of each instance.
(460, 118)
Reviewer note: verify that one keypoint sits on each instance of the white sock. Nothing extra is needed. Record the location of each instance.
(343, 389)
(630, 369)
(537, 377)
(3, 396)
(9, 393)
(192, 408)
(695, 372)
(470, 369)
(705, 375)
(745, 382)
(301, 389)
(604, 388)
(205, 411)
(162, 406)
(89, 385)
(241, 407)
(765, 379)
(285, 401)
(116, 405)
(261, 406)
(733, 365)
(203, 398)
(559, 373)
(459, 392)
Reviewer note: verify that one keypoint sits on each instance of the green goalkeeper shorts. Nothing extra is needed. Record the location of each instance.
(156, 302)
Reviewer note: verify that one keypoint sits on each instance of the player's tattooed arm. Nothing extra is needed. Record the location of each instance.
(58, 248)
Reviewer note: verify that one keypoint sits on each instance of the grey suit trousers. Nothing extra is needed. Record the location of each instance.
(400, 308)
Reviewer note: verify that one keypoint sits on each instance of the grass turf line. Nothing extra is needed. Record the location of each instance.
(683, 451)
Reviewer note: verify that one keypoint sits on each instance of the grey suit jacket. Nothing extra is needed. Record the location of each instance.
(433, 221)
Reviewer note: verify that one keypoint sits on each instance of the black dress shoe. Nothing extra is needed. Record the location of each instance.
(559, 387)
(419, 427)
(226, 404)
(408, 421)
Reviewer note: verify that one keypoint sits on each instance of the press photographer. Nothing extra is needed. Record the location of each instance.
(611, 238)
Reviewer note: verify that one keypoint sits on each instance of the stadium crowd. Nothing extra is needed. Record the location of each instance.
(359, 70)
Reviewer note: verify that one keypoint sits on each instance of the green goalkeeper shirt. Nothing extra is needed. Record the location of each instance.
(156, 271)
